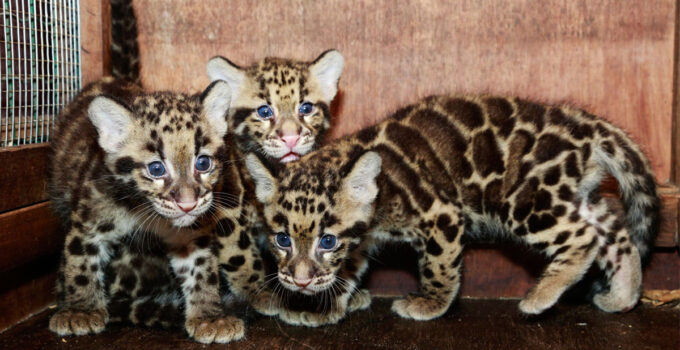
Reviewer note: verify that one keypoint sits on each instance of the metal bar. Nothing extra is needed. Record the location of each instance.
(13, 85)
(41, 15)
(22, 28)
(54, 99)
(62, 57)
(34, 81)
(71, 86)
(78, 53)
(59, 57)
(7, 59)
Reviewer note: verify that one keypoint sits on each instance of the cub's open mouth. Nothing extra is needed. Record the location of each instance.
(289, 157)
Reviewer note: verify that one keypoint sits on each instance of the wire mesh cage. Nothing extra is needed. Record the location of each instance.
(39, 66)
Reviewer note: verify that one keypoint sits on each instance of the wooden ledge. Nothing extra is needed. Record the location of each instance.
(469, 324)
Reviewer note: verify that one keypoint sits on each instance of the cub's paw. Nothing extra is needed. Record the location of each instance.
(310, 319)
(615, 302)
(73, 322)
(537, 302)
(419, 308)
(360, 300)
(218, 330)
(266, 303)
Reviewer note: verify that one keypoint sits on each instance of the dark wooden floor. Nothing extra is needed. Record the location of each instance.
(470, 324)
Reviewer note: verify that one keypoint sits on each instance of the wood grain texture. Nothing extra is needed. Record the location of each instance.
(670, 217)
(28, 234)
(25, 298)
(613, 57)
(106, 36)
(675, 137)
(23, 180)
(92, 49)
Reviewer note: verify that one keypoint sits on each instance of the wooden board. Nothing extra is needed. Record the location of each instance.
(23, 179)
(28, 234)
(670, 218)
(613, 57)
(94, 43)
(675, 137)
(25, 298)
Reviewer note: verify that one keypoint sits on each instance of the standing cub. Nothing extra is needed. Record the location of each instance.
(448, 167)
(139, 164)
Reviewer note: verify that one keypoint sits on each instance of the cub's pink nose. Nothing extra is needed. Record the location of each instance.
(290, 140)
(302, 282)
(186, 206)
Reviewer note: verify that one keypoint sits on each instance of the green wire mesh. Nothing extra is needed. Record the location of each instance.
(39, 66)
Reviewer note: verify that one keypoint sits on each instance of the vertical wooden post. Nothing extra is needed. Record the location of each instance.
(95, 25)
(675, 136)
(675, 125)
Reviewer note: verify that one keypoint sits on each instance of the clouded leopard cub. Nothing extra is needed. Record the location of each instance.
(132, 164)
(448, 167)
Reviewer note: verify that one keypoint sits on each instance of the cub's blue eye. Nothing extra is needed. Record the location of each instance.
(306, 108)
(156, 169)
(265, 112)
(283, 240)
(203, 163)
(328, 242)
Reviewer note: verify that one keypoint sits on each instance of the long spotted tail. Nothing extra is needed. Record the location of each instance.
(622, 158)
(124, 44)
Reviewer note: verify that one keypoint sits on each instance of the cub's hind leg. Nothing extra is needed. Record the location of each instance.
(619, 260)
(572, 248)
(442, 254)
(621, 265)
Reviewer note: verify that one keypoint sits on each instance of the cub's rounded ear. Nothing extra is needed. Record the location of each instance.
(360, 184)
(113, 121)
(220, 68)
(216, 100)
(265, 182)
(327, 68)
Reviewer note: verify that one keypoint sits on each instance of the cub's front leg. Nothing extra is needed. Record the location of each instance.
(197, 274)
(439, 266)
(336, 312)
(341, 305)
(241, 264)
(82, 299)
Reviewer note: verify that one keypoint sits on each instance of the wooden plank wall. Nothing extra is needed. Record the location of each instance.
(675, 137)
(614, 57)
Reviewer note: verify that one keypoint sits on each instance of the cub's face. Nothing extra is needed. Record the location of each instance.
(166, 149)
(317, 213)
(280, 108)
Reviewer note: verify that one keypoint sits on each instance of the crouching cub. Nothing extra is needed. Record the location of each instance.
(131, 165)
(449, 167)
